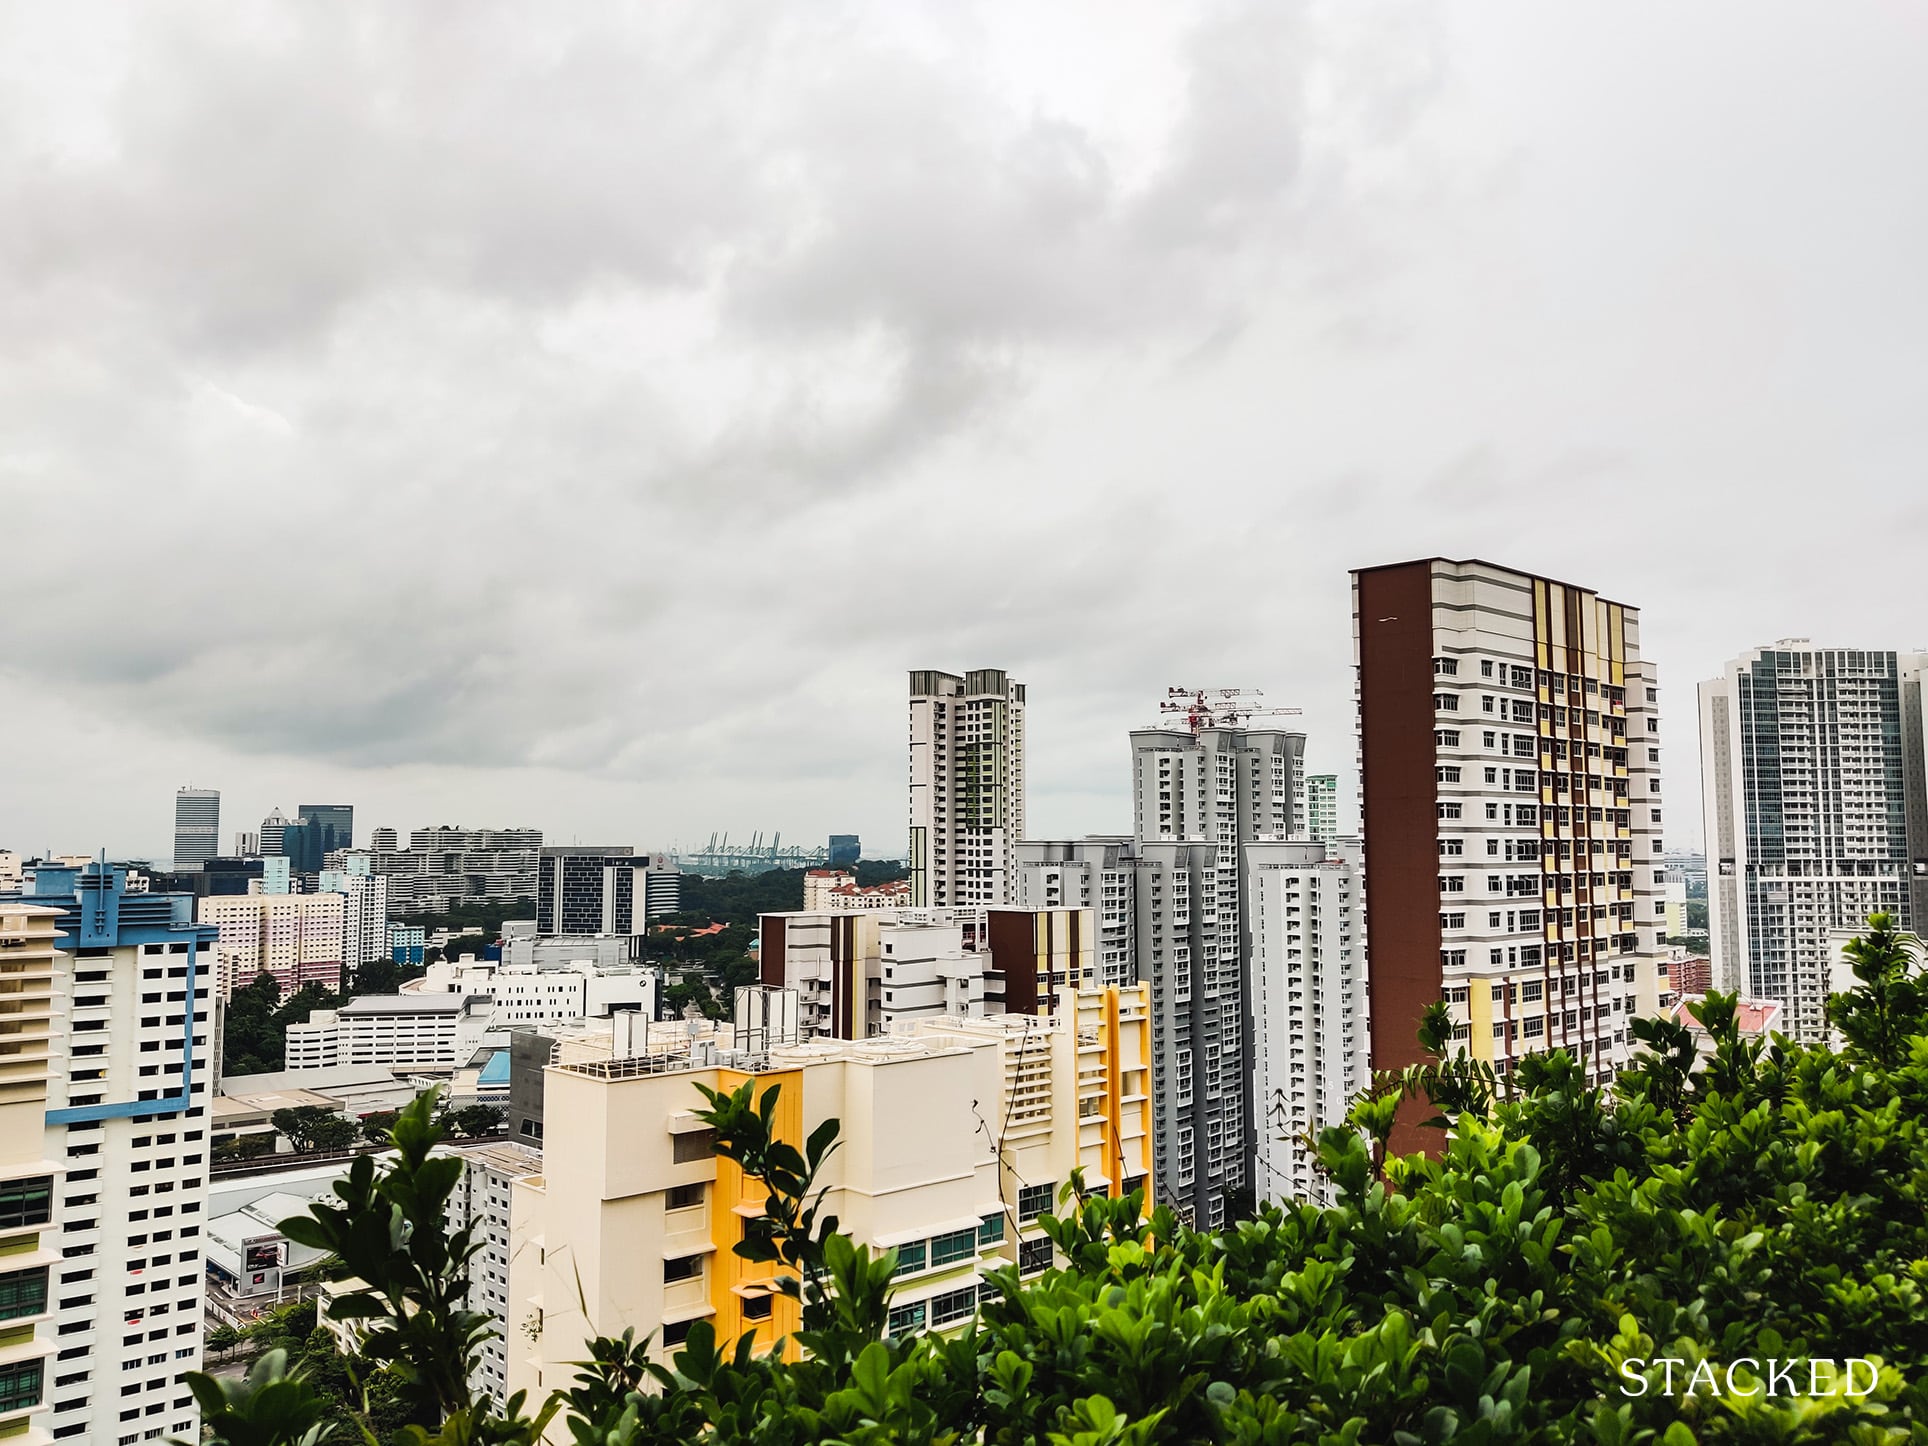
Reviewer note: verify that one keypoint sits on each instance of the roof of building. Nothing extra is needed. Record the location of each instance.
(340, 1076)
(411, 1003)
(1754, 1016)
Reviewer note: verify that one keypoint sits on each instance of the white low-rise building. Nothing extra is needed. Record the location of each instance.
(521, 994)
(431, 1032)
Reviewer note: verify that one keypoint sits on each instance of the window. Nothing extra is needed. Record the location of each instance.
(953, 1246)
(1446, 737)
(1486, 667)
(1446, 775)
(683, 1267)
(1452, 884)
(20, 1386)
(27, 1202)
(23, 1292)
(756, 1307)
(676, 1332)
(952, 1305)
(682, 1197)
(1451, 958)
(1449, 810)
(1034, 1255)
(1489, 740)
(907, 1318)
(1451, 846)
(697, 1145)
(911, 1256)
(990, 1230)
(1452, 921)
(1447, 702)
(1034, 1200)
(1445, 667)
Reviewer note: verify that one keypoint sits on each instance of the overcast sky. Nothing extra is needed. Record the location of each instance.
(584, 416)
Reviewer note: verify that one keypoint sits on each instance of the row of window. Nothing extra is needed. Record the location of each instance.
(940, 1310)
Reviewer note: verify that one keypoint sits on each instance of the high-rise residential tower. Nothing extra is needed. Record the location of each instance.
(966, 788)
(1305, 948)
(1510, 770)
(197, 827)
(36, 976)
(126, 1125)
(1198, 798)
(1320, 812)
(1804, 783)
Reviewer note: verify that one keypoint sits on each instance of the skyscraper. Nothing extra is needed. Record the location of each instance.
(273, 828)
(334, 824)
(197, 826)
(1804, 784)
(966, 788)
(1510, 768)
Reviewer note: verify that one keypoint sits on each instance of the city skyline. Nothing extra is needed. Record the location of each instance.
(1155, 284)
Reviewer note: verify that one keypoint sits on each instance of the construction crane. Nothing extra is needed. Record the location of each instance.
(1219, 707)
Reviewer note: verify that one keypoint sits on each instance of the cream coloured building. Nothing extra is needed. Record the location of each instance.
(956, 1134)
(31, 981)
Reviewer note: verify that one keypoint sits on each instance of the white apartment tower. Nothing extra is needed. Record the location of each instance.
(126, 1127)
(1199, 797)
(1509, 739)
(1306, 947)
(966, 788)
(1804, 779)
(364, 929)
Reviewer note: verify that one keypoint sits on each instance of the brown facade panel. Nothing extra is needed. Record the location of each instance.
(771, 952)
(1400, 796)
(1014, 954)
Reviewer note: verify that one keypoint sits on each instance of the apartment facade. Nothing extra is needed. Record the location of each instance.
(1320, 813)
(125, 1127)
(956, 1136)
(856, 972)
(1098, 874)
(1509, 740)
(481, 1203)
(35, 978)
(1306, 949)
(828, 890)
(966, 788)
(1198, 798)
(197, 826)
(297, 938)
(445, 865)
(364, 922)
(1805, 776)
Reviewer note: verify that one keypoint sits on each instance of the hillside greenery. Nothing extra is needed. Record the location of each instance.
(1565, 1269)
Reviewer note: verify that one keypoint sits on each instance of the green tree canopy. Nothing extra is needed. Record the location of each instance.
(1724, 1206)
